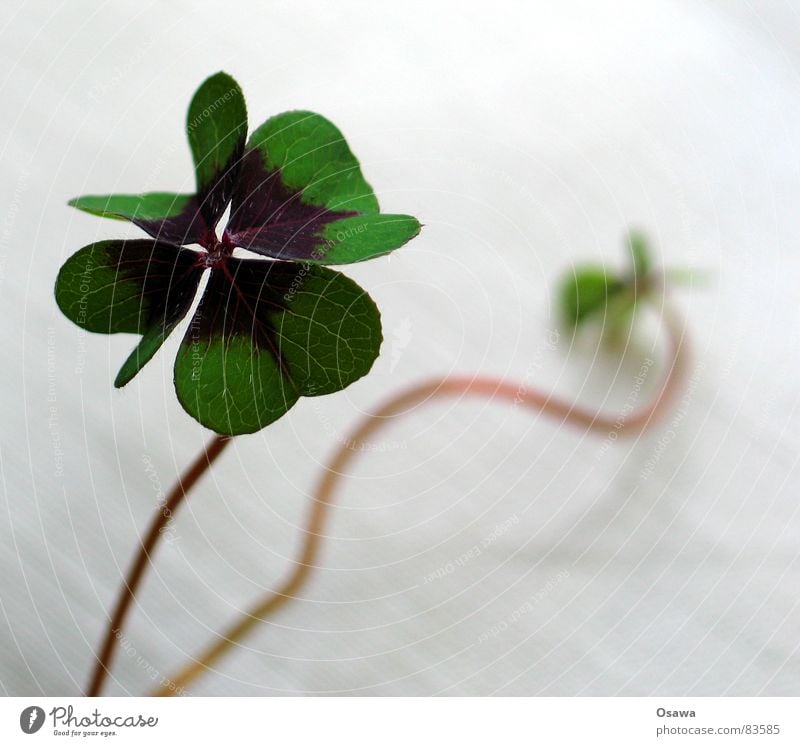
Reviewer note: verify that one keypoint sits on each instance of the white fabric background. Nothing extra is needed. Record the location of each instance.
(526, 137)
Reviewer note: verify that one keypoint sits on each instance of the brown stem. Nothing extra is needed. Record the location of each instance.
(515, 392)
(185, 482)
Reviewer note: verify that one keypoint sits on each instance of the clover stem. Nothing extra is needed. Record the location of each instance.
(517, 393)
(134, 577)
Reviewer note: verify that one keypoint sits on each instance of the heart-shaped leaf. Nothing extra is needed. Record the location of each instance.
(315, 160)
(265, 332)
(587, 291)
(168, 217)
(141, 287)
(301, 196)
(263, 336)
(217, 129)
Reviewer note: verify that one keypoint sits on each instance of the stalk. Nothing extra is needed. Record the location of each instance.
(516, 393)
(185, 482)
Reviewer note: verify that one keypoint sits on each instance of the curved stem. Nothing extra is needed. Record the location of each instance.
(515, 392)
(185, 482)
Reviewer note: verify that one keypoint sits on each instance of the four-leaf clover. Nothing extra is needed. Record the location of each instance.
(592, 292)
(266, 331)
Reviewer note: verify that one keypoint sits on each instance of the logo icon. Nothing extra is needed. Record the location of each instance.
(31, 719)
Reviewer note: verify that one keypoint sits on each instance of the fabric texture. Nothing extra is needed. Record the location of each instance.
(475, 549)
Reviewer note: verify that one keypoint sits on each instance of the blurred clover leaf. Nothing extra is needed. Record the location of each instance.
(266, 331)
(592, 292)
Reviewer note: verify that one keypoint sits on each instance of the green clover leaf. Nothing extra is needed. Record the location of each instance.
(591, 292)
(266, 331)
